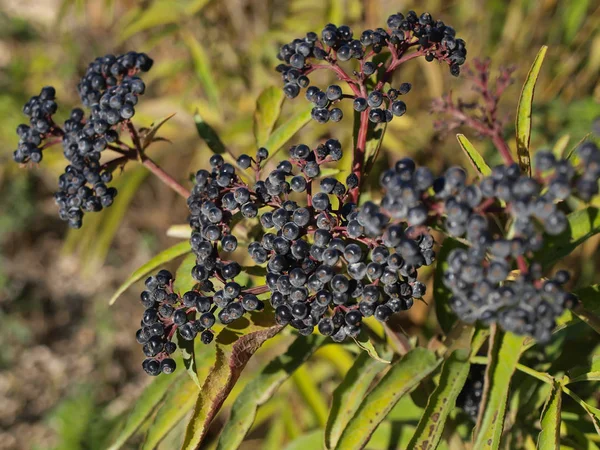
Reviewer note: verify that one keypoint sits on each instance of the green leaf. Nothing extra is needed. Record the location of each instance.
(144, 406)
(163, 257)
(441, 402)
(203, 67)
(402, 377)
(262, 387)
(523, 125)
(375, 137)
(284, 132)
(504, 357)
(363, 340)
(549, 437)
(348, 396)
(590, 372)
(268, 109)
(446, 318)
(178, 403)
(310, 440)
(593, 413)
(234, 348)
(160, 12)
(583, 224)
(150, 134)
(474, 156)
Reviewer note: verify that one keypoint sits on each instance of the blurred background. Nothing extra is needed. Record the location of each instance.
(69, 364)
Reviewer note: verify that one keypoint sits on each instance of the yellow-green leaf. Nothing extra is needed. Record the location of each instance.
(234, 348)
(203, 67)
(583, 224)
(441, 402)
(262, 387)
(177, 404)
(474, 156)
(402, 378)
(284, 132)
(504, 357)
(523, 125)
(549, 437)
(144, 406)
(268, 108)
(363, 340)
(348, 396)
(163, 257)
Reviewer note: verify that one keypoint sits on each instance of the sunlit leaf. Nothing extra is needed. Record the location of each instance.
(454, 374)
(583, 224)
(348, 396)
(163, 257)
(549, 437)
(402, 377)
(523, 125)
(363, 340)
(262, 387)
(144, 406)
(202, 64)
(234, 348)
(474, 156)
(504, 357)
(176, 406)
(268, 108)
(284, 132)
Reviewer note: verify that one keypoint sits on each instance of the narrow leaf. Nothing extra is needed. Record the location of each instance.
(583, 224)
(474, 156)
(233, 352)
(203, 67)
(549, 437)
(263, 387)
(287, 130)
(373, 145)
(149, 135)
(209, 135)
(144, 406)
(441, 402)
(348, 396)
(523, 125)
(593, 413)
(165, 256)
(446, 318)
(504, 356)
(177, 404)
(268, 108)
(402, 377)
(363, 340)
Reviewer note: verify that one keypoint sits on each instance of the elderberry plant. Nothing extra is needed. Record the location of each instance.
(329, 260)
(326, 256)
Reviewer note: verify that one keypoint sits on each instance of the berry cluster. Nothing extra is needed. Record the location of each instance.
(39, 109)
(330, 264)
(480, 276)
(108, 71)
(434, 40)
(110, 89)
(469, 399)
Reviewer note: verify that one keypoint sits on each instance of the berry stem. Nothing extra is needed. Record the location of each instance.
(359, 153)
(165, 177)
(151, 165)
